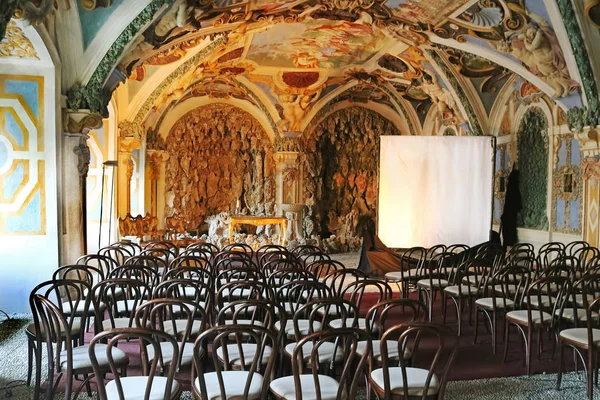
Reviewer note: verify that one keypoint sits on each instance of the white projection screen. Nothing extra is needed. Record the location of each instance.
(435, 189)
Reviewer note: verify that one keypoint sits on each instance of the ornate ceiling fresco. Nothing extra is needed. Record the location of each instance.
(446, 60)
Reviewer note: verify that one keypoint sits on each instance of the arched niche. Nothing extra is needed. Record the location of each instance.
(342, 171)
(532, 145)
(218, 154)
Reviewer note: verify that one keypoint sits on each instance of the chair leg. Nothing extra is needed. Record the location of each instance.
(29, 359)
(560, 366)
(459, 309)
(590, 374)
(38, 371)
(476, 325)
(528, 350)
(494, 333)
(506, 340)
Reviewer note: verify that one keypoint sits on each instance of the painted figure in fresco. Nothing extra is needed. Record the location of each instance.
(538, 49)
(440, 97)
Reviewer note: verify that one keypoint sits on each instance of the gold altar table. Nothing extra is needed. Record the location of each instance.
(259, 221)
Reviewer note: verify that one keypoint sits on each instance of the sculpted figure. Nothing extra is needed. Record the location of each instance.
(538, 49)
(440, 97)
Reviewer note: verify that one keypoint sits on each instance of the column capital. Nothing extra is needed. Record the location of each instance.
(131, 136)
(156, 159)
(79, 123)
(589, 140)
(286, 156)
(590, 168)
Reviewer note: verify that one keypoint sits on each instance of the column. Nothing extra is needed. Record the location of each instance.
(289, 178)
(156, 161)
(590, 169)
(130, 138)
(75, 166)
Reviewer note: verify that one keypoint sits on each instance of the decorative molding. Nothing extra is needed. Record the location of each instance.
(131, 136)
(16, 44)
(94, 95)
(81, 122)
(577, 117)
(93, 4)
(83, 156)
(462, 96)
(590, 168)
(180, 71)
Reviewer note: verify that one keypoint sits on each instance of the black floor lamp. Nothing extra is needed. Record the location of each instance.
(105, 164)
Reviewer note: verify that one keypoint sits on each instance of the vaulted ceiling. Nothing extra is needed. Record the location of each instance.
(291, 58)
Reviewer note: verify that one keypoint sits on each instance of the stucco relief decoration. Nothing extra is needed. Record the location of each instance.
(131, 135)
(201, 177)
(83, 158)
(93, 4)
(16, 44)
(590, 168)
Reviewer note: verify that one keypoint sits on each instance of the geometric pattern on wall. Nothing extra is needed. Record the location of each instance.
(22, 157)
(567, 184)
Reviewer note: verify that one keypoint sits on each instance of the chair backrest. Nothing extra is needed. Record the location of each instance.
(551, 293)
(293, 295)
(237, 274)
(321, 268)
(121, 297)
(199, 260)
(338, 280)
(583, 292)
(211, 248)
(117, 253)
(260, 312)
(509, 284)
(318, 312)
(585, 255)
(574, 247)
(188, 289)
(190, 273)
(86, 273)
(304, 249)
(168, 313)
(273, 252)
(223, 339)
(242, 290)
(377, 316)
(145, 274)
(229, 260)
(133, 248)
(152, 369)
(436, 268)
(357, 291)
(158, 264)
(164, 245)
(280, 277)
(593, 321)
(166, 254)
(103, 263)
(520, 250)
(419, 337)
(309, 258)
(274, 265)
(345, 341)
(239, 248)
(552, 246)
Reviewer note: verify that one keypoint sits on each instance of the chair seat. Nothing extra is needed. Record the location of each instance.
(487, 303)
(244, 322)
(75, 330)
(416, 377)
(520, 317)
(325, 352)
(166, 350)
(67, 308)
(546, 300)
(580, 336)
(392, 349)
(134, 388)
(395, 276)
(437, 283)
(303, 326)
(334, 310)
(230, 310)
(81, 357)
(181, 326)
(248, 353)
(118, 323)
(235, 384)
(340, 323)
(466, 291)
(284, 388)
(568, 314)
(237, 292)
(510, 288)
(580, 301)
(128, 306)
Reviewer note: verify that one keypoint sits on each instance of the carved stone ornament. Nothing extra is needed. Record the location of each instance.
(155, 159)
(93, 4)
(131, 135)
(129, 165)
(81, 125)
(15, 44)
(83, 155)
(591, 169)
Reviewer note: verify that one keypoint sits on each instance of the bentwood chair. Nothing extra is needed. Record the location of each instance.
(55, 330)
(550, 294)
(133, 248)
(356, 292)
(117, 253)
(319, 383)
(211, 248)
(410, 263)
(583, 339)
(187, 260)
(162, 244)
(103, 263)
(239, 373)
(409, 382)
(121, 298)
(151, 384)
(180, 319)
(503, 293)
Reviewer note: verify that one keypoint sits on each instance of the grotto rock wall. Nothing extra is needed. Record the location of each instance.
(218, 154)
(341, 164)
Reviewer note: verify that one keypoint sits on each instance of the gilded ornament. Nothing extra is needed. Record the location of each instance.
(16, 44)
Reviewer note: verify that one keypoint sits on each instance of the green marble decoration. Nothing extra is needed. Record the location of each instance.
(33, 11)
(533, 165)
(577, 118)
(94, 96)
(462, 96)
